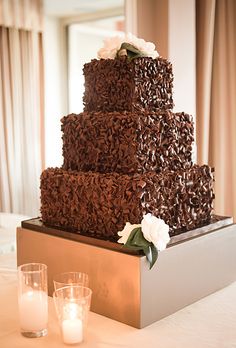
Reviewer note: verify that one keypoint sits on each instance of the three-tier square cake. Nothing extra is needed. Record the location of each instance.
(126, 155)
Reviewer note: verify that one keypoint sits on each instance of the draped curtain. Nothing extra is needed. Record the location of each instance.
(21, 105)
(216, 97)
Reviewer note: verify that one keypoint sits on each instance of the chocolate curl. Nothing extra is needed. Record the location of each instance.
(127, 142)
(119, 85)
(99, 205)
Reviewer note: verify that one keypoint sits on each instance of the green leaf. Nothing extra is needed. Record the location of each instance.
(151, 255)
(154, 255)
(136, 241)
(133, 247)
(129, 47)
(132, 51)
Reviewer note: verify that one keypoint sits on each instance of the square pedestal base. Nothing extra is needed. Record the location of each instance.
(123, 287)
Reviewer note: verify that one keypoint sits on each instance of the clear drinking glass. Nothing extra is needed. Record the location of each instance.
(72, 305)
(70, 278)
(33, 299)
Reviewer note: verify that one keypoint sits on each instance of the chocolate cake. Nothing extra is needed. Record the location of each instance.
(120, 84)
(127, 155)
(127, 142)
(101, 204)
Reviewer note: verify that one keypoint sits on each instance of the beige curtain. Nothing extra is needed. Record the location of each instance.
(21, 14)
(216, 97)
(21, 109)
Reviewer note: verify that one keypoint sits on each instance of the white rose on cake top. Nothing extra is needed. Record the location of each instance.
(110, 48)
(151, 236)
(129, 45)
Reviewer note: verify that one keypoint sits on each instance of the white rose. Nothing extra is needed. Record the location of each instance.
(124, 234)
(155, 231)
(145, 47)
(110, 48)
(113, 44)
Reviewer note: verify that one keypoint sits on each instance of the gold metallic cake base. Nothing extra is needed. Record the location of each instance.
(123, 287)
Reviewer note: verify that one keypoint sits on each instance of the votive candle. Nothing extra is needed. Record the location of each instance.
(72, 331)
(72, 325)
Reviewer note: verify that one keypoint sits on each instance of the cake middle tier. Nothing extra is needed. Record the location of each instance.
(127, 142)
(100, 204)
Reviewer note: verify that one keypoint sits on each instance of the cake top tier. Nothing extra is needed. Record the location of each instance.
(123, 85)
(128, 78)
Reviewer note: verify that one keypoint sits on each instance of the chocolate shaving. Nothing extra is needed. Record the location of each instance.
(127, 142)
(101, 204)
(119, 85)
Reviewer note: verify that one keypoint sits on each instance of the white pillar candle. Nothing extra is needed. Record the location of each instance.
(72, 325)
(33, 310)
(72, 331)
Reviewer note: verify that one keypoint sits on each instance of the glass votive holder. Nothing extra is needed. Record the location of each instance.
(72, 305)
(70, 278)
(33, 299)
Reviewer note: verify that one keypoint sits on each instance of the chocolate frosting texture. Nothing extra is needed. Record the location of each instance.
(119, 85)
(100, 204)
(127, 142)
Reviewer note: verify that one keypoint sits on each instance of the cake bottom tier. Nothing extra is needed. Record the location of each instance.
(100, 204)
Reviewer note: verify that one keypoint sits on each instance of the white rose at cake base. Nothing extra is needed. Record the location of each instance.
(151, 236)
(124, 234)
(155, 231)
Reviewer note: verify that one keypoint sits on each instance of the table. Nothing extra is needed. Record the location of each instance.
(8, 224)
(209, 323)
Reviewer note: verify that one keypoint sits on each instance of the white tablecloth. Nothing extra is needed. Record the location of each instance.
(209, 323)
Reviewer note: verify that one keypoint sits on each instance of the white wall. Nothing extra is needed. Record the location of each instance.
(55, 98)
(181, 48)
